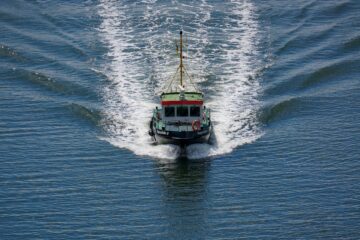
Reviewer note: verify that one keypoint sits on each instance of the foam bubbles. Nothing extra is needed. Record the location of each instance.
(140, 60)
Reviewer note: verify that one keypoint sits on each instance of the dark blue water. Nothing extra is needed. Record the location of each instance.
(78, 80)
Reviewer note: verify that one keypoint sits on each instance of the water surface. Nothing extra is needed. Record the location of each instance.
(78, 81)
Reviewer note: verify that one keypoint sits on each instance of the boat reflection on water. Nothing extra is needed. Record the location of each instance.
(184, 197)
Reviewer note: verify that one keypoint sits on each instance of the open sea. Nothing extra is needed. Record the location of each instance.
(79, 80)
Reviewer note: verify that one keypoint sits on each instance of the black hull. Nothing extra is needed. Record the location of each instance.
(182, 138)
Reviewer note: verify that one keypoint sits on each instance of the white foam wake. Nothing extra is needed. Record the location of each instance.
(127, 99)
(236, 102)
(140, 60)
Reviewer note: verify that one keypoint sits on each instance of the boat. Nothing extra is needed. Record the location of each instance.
(182, 118)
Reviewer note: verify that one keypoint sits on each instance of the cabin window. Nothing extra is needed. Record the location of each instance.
(182, 111)
(169, 112)
(194, 111)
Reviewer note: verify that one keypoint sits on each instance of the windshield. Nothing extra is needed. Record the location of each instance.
(195, 111)
(169, 112)
(182, 111)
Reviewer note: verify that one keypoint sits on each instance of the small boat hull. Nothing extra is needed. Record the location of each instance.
(181, 138)
(182, 119)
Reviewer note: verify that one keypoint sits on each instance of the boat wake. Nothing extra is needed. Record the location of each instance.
(140, 59)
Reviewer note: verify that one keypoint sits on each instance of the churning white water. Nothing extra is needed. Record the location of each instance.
(140, 41)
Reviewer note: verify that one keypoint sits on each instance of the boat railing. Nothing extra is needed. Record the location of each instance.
(178, 125)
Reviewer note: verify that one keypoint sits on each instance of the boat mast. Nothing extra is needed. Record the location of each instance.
(181, 60)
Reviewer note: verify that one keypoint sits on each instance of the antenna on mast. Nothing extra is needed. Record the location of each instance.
(181, 60)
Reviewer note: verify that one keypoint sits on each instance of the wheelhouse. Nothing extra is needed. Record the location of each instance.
(181, 111)
(185, 106)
